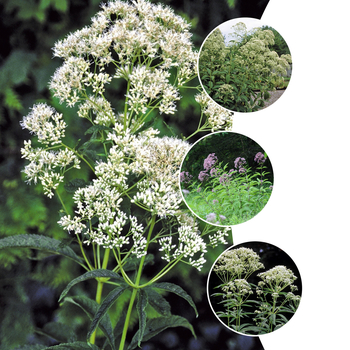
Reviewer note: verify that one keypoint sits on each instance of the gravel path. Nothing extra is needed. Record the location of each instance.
(275, 95)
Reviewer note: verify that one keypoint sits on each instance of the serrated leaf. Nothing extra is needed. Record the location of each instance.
(106, 304)
(173, 288)
(158, 302)
(89, 275)
(157, 325)
(90, 307)
(142, 301)
(39, 242)
(78, 345)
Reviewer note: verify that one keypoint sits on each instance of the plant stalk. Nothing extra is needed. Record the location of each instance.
(136, 287)
(99, 290)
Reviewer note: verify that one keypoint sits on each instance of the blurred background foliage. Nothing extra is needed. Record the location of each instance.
(30, 281)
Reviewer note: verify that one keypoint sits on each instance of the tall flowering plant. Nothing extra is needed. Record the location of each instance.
(133, 204)
(265, 307)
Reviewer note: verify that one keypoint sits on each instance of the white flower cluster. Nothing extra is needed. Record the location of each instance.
(150, 47)
(237, 263)
(278, 278)
(160, 159)
(218, 117)
(237, 287)
(46, 165)
(125, 33)
(189, 244)
(257, 55)
(44, 122)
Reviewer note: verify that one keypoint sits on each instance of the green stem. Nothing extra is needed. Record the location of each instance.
(99, 290)
(136, 286)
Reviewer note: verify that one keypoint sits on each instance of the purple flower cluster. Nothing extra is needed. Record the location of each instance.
(203, 175)
(259, 158)
(239, 162)
(185, 177)
(208, 164)
(210, 161)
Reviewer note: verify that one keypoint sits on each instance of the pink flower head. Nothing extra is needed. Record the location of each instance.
(259, 158)
(185, 177)
(203, 175)
(239, 162)
(210, 161)
(211, 217)
(213, 172)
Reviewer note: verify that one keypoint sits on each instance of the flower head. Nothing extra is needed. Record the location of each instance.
(237, 263)
(259, 158)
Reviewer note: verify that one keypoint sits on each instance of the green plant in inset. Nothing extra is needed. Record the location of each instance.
(228, 197)
(233, 268)
(276, 294)
(265, 307)
(241, 76)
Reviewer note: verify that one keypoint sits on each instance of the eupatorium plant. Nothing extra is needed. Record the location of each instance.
(240, 75)
(249, 308)
(227, 196)
(132, 203)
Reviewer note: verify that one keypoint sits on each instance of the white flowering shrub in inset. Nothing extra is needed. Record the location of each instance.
(133, 203)
(240, 75)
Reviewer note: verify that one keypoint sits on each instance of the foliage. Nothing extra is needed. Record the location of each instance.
(239, 77)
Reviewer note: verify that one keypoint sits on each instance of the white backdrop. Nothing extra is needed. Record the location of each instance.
(306, 135)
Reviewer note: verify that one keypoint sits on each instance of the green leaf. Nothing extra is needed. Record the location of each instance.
(158, 302)
(95, 129)
(142, 301)
(106, 304)
(78, 345)
(16, 68)
(61, 5)
(159, 324)
(74, 184)
(90, 307)
(39, 242)
(58, 331)
(173, 288)
(32, 347)
(89, 275)
(12, 100)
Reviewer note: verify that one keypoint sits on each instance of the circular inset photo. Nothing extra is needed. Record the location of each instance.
(244, 65)
(254, 288)
(226, 178)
